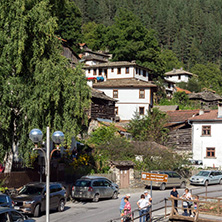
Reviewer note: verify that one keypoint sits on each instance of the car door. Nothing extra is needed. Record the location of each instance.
(176, 179)
(53, 196)
(108, 190)
(212, 178)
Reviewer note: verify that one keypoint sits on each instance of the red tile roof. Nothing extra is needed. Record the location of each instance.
(181, 115)
(182, 90)
(211, 115)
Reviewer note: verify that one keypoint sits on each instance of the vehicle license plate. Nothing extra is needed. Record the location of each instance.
(16, 208)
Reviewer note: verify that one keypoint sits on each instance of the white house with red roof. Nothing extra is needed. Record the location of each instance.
(207, 137)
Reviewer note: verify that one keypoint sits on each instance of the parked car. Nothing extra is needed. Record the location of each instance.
(5, 200)
(94, 188)
(31, 198)
(174, 179)
(11, 215)
(206, 177)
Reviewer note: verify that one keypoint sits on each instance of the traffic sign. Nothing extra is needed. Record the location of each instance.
(154, 177)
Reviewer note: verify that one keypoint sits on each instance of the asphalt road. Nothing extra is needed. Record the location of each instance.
(105, 210)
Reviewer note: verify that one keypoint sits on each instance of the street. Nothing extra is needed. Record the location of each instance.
(105, 210)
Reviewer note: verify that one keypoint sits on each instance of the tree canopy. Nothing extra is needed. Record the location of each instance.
(38, 88)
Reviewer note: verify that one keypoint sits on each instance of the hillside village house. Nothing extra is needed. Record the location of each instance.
(178, 75)
(132, 95)
(207, 137)
(126, 82)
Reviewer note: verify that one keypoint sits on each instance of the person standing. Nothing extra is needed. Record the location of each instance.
(187, 196)
(149, 198)
(143, 204)
(122, 203)
(175, 194)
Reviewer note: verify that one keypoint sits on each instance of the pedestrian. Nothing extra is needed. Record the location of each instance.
(126, 210)
(195, 206)
(143, 204)
(122, 203)
(149, 198)
(186, 204)
(175, 194)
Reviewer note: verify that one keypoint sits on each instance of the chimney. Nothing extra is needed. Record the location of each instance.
(201, 112)
(219, 115)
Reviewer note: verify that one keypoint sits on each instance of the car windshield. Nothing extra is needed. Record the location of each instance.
(82, 183)
(31, 190)
(203, 173)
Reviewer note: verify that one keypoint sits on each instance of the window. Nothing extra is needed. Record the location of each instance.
(112, 69)
(141, 110)
(168, 85)
(136, 70)
(100, 72)
(115, 93)
(144, 73)
(179, 77)
(118, 70)
(210, 152)
(88, 70)
(206, 130)
(142, 94)
(127, 70)
(94, 72)
(116, 110)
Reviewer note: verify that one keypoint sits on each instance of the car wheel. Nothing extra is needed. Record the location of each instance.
(37, 211)
(206, 183)
(183, 185)
(61, 206)
(96, 198)
(115, 195)
(220, 182)
(163, 186)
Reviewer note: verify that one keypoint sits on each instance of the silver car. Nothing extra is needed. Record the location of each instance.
(205, 177)
(94, 188)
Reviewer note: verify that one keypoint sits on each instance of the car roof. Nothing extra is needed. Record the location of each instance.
(39, 184)
(93, 177)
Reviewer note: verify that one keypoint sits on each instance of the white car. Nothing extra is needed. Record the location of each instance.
(206, 177)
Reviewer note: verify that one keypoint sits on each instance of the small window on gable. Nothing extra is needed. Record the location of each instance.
(206, 130)
(127, 70)
(118, 70)
(210, 152)
(142, 94)
(115, 93)
(141, 110)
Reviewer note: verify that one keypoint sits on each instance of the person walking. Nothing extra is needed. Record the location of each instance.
(174, 194)
(143, 204)
(126, 211)
(122, 203)
(149, 198)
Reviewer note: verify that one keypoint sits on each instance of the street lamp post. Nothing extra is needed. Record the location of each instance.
(36, 136)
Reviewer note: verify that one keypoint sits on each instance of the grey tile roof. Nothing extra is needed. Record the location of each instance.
(123, 83)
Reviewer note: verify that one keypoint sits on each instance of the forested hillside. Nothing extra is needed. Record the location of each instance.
(192, 29)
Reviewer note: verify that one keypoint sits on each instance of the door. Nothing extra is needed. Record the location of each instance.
(108, 188)
(124, 178)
